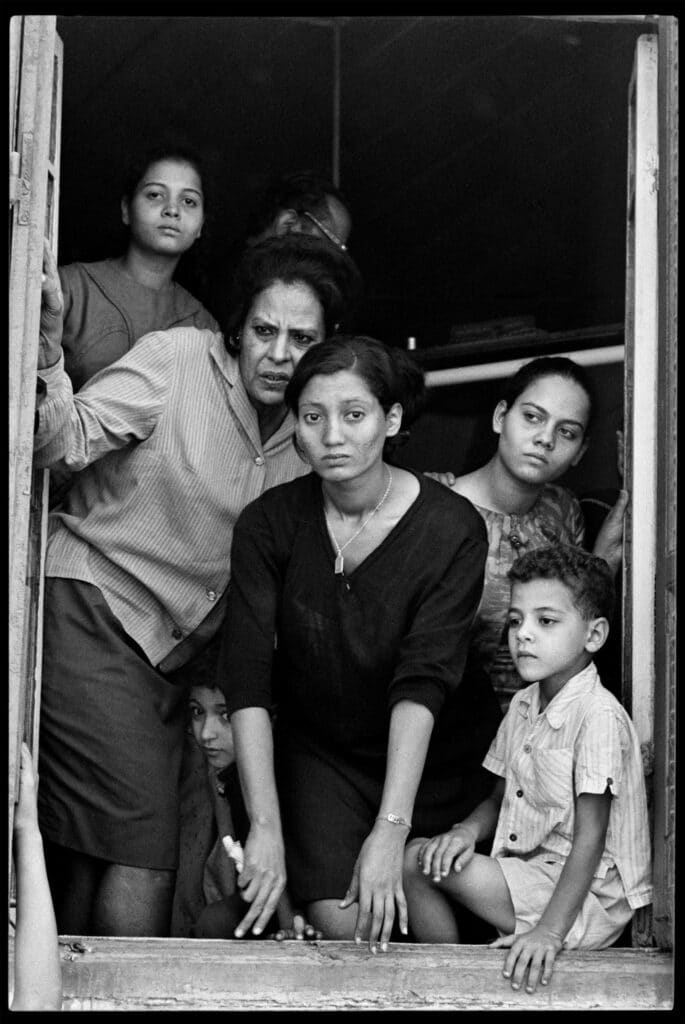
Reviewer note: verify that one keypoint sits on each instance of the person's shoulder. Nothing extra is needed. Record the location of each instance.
(600, 702)
(451, 507)
(75, 276)
(297, 494)
(283, 505)
(558, 498)
(189, 306)
(195, 342)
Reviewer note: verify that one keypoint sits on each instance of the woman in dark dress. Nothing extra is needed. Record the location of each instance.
(368, 577)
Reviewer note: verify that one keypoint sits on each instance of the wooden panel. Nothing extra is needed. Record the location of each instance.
(27, 227)
(641, 340)
(667, 490)
(180, 974)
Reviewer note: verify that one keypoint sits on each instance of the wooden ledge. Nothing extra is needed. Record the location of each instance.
(201, 974)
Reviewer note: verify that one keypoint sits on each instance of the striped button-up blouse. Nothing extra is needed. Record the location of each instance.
(583, 742)
(168, 445)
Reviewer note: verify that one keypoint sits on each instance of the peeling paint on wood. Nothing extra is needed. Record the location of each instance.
(181, 974)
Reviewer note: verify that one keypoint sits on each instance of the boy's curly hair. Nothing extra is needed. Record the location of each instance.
(588, 577)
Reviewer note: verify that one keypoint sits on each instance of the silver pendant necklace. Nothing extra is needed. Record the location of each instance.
(339, 560)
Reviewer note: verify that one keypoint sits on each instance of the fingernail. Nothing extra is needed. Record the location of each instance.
(384, 947)
(529, 990)
(515, 986)
(238, 933)
(544, 981)
(256, 931)
(403, 929)
(357, 939)
(373, 950)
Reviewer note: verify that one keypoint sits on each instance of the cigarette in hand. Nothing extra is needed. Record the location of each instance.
(234, 851)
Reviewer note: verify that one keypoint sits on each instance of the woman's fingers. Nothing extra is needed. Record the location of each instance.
(402, 914)
(50, 283)
(352, 894)
(376, 918)
(262, 893)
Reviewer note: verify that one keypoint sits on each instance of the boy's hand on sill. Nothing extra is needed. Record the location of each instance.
(531, 953)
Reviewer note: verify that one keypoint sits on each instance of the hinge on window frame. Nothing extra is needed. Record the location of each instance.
(15, 167)
(21, 174)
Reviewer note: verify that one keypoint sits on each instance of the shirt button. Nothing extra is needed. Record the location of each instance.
(211, 595)
(519, 792)
(176, 633)
(610, 781)
(513, 837)
(259, 461)
(527, 748)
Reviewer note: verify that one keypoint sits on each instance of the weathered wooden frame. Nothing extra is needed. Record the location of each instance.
(164, 974)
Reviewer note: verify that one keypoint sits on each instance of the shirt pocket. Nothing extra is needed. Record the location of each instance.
(552, 778)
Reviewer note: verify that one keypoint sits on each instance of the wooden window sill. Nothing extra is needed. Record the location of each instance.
(183, 974)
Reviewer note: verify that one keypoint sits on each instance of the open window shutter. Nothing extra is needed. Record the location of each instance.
(36, 90)
(667, 490)
(641, 404)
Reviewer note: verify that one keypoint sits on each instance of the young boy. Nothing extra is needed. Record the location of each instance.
(570, 860)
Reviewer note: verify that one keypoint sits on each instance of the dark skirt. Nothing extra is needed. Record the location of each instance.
(329, 805)
(111, 736)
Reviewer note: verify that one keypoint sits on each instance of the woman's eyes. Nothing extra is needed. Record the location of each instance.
(302, 339)
(196, 712)
(156, 193)
(513, 623)
(355, 415)
(566, 432)
(546, 621)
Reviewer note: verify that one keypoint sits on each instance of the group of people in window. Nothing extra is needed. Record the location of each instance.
(237, 555)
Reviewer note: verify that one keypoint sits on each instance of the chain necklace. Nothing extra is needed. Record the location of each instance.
(339, 561)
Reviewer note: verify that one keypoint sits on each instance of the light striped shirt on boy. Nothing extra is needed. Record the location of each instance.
(583, 742)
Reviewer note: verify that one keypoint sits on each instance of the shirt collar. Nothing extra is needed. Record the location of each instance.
(578, 686)
(239, 399)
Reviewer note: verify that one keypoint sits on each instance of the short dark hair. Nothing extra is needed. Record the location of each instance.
(303, 191)
(389, 373)
(549, 366)
(182, 152)
(332, 276)
(588, 577)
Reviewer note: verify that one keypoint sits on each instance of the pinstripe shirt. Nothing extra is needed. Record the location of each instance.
(169, 450)
(583, 742)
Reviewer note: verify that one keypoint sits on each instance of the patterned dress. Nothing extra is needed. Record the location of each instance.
(555, 518)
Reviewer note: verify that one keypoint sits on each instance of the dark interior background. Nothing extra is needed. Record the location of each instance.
(484, 160)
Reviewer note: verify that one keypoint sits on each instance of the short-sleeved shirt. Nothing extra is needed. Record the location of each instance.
(582, 742)
(555, 518)
(106, 312)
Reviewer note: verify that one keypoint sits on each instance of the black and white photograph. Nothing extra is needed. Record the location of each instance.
(342, 510)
